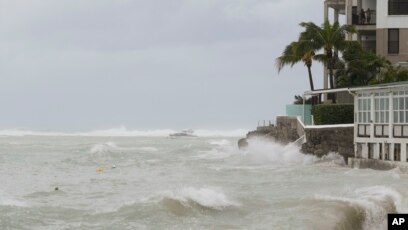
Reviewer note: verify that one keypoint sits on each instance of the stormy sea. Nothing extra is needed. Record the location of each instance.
(57, 181)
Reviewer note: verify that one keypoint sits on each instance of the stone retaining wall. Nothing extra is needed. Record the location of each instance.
(320, 141)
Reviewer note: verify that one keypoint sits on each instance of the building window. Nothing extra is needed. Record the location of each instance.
(381, 108)
(370, 150)
(359, 150)
(364, 108)
(397, 7)
(397, 152)
(406, 150)
(380, 151)
(393, 41)
(387, 151)
(400, 107)
(400, 114)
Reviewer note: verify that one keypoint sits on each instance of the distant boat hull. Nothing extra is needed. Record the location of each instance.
(181, 135)
(184, 133)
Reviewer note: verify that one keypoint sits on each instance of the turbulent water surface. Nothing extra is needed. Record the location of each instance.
(190, 183)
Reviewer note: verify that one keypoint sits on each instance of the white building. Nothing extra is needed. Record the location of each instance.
(380, 120)
(382, 26)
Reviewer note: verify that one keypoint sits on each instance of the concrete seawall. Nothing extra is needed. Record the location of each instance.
(321, 141)
(377, 164)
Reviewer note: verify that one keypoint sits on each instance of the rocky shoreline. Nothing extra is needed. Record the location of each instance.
(319, 141)
(284, 132)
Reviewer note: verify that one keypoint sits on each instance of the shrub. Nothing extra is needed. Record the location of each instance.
(328, 114)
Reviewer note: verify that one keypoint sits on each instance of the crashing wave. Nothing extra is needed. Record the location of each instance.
(222, 142)
(364, 208)
(105, 148)
(112, 147)
(261, 150)
(193, 198)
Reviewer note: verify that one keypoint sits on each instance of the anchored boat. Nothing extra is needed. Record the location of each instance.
(184, 133)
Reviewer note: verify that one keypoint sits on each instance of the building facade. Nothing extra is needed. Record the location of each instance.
(382, 26)
(381, 122)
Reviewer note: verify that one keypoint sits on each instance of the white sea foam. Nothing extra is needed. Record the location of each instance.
(222, 149)
(148, 149)
(373, 203)
(216, 153)
(212, 198)
(112, 146)
(100, 148)
(219, 142)
(261, 150)
(6, 200)
(124, 132)
(220, 133)
(332, 159)
(23, 132)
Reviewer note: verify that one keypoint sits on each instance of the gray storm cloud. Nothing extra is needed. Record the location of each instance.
(72, 65)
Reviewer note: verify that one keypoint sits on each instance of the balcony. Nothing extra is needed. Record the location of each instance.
(369, 18)
(337, 4)
(397, 8)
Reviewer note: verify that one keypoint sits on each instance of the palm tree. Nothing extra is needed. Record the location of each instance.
(360, 67)
(330, 38)
(294, 53)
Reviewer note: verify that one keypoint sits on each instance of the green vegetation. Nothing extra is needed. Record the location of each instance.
(331, 38)
(295, 53)
(360, 68)
(356, 67)
(326, 114)
(391, 74)
(299, 100)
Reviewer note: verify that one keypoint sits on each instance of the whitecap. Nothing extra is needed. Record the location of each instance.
(262, 150)
(222, 142)
(6, 200)
(100, 148)
(211, 198)
(371, 203)
(148, 149)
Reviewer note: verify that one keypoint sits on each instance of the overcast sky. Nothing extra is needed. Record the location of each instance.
(76, 65)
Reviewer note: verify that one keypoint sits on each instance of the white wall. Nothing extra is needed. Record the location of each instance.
(392, 21)
(372, 4)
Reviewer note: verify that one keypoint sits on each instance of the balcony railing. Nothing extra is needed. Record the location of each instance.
(369, 18)
(397, 8)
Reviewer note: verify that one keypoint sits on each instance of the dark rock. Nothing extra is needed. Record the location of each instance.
(242, 143)
(284, 132)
